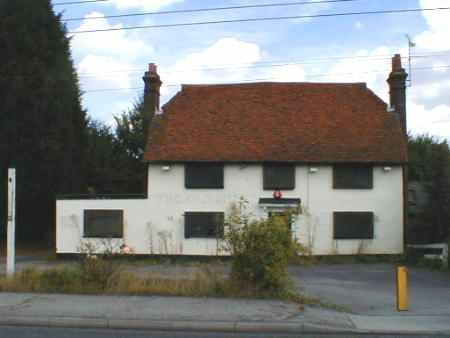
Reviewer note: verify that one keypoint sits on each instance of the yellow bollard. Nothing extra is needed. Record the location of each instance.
(402, 288)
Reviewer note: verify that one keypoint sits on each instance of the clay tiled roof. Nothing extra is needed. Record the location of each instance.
(302, 122)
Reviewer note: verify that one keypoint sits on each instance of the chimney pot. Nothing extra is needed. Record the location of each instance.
(152, 69)
(397, 63)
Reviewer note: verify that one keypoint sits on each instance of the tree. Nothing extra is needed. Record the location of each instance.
(420, 152)
(429, 164)
(42, 123)
(130, 142)
(114, 157)
(439, 188)
(100, 164)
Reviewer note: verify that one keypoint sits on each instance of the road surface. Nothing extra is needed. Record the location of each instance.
(43, 332)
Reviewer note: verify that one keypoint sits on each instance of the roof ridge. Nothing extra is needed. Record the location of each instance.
(235, 84)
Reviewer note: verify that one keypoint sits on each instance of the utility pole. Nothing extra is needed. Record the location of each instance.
(11, 236)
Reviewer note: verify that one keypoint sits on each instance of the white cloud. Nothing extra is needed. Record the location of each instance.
(431, 86)
(372, 67)
(120, 44)
(434, 121)
(229, 58)
(100, 71)
(359, 25)
(288, 73)
(148, 5)
(423, 117)
(106, 57)
(436, 36)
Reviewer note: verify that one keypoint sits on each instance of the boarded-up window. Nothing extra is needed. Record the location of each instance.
(103, 223)
(353, 225)
(203, 176)
(203, 224)
(279, 176)
(352, 177)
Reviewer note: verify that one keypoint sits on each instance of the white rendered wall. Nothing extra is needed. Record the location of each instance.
(156, 225)
(70, 228)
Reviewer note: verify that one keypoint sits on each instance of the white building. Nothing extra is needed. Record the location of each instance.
(336, 150)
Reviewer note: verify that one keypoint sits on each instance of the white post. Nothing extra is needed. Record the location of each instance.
(11, 237)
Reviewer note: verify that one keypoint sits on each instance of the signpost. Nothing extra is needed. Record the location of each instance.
(11, 236)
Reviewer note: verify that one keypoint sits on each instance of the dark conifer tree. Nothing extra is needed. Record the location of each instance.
(42, 123)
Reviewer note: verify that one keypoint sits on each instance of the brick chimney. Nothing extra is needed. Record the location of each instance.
(397, 91)
(151, 94)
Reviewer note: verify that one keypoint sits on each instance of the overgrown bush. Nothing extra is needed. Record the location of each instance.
(261, 250)
(96, 270)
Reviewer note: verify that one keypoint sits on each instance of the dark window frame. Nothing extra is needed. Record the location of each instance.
(349, 171)
(290, 182)
(89, 233)
(346, 234)
(214, 232)
(189, 175)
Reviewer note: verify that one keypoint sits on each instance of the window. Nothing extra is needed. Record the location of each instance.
(203, 224)
(353, 225)
(103, 223)
(203, 176)
(352, 177)
(279, 176)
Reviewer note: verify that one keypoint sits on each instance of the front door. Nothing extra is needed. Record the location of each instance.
(284, 215)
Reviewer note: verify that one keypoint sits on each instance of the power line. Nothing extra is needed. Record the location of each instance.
(262, 64)
(268, 64)
(275, 18)
(266, 79)
(77, 2)
(196, 10)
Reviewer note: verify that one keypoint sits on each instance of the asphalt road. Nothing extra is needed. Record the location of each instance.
(42, 332)
(370, 289)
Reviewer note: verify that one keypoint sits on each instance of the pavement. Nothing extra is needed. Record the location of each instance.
(201, 314)
(366, 291)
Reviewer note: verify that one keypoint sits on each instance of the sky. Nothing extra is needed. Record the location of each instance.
(328, 49)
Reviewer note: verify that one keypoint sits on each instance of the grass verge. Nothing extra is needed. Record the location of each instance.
(102, 278)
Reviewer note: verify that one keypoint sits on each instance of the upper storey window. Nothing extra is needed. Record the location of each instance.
(279, 176)
(203, 176)
(346, 176)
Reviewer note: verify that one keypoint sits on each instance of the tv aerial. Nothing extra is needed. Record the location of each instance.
(411, 44)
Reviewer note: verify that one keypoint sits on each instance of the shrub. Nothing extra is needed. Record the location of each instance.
(96, 270)
(431, 263)
(261, 250)
(60, 280)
